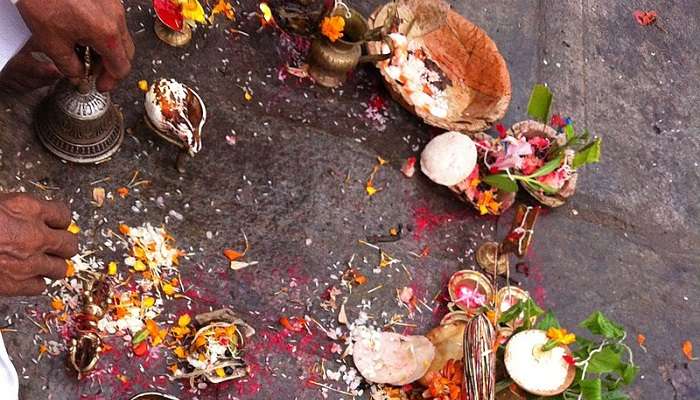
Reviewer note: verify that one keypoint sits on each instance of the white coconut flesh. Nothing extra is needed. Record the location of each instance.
(390, 358)
(449, 158)
(168, 109)
(533, 370)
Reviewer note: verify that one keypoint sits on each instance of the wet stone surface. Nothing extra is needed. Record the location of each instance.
(626, 244)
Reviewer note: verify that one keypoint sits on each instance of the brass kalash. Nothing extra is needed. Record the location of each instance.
(78, 123)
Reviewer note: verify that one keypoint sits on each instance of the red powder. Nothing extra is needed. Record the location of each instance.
(426, 221)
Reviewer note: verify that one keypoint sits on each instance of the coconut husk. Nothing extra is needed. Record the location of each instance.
(449, 345)
(476, 76)
(530, 129)
(507, 199)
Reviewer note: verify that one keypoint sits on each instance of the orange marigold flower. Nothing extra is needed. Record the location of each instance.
(223, 7)
(332, 27)
(123, 192)
(57, 304)
(70, 268)
(123, 229)
(232, 255)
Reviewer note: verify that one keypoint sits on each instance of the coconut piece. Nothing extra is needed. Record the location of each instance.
(531, 129)
(449, 158)
(449, 345)
(390, 358)
(538, 372)
(476, 92)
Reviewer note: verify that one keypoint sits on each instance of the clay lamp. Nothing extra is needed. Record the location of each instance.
(170, 26)
(506, 298)
(470, 291)
(543, 373)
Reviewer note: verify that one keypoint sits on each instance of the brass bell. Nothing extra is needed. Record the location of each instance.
(79, 124)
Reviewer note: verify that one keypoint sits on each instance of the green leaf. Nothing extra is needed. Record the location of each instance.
(614, 395)
(512, 313)
(502, 182)
(550, 166)
(548, 321)
(629, 373)
(588, 155)
(139, 337)
(591, 389)
(598, 324)
(604, 361)
(569, 131)
(540, 101)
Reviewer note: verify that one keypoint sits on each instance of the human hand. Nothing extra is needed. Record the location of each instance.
(58, 26)
(34, 243)
(24, 72)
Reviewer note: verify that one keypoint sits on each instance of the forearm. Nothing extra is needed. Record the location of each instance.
(14, 34)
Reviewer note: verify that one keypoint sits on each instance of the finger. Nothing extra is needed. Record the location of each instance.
(49, 266)
(55, 214)
(113, 56)
(30, 287)
(105, 82)
(61, 243)
(66, 60)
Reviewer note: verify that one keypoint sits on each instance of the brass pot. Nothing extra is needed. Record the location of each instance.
(330, 62)
(473, 281)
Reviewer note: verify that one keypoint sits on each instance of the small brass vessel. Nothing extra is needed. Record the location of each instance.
(79, 124)
(475, 281)
(172, 37)
(331, 61)
(492, 259)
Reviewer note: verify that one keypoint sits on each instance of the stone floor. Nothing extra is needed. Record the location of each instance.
(626, 244)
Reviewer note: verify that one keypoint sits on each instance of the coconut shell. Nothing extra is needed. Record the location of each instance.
(530, 129)
(449, 345)
(507, 199)
(477, 81)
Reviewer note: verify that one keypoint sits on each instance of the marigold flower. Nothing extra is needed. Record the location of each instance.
(223, 7)
(112, 268)
(561, 335)
(184, 320)
(487, 203)
(192, 12)
(143, 85)
(70, 268)
(57, 304)
(123, 192)
(73, 228)
(332, 27)
(168, 289)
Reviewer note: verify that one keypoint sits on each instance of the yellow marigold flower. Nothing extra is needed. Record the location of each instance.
(168, 289)
(332, 27)
(371, 190)
(73, 228)
(112, 268)
(139, 266)
(180, 352)
(267, 12)
(487, 203)
(220, 372)
(184, 320)
(192, 12)
(561, 335)
(148, 302)
(143, 85)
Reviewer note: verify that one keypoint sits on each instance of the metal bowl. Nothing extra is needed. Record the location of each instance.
(153, 396)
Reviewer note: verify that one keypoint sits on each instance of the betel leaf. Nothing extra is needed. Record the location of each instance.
(604, 361)
(512, 313)
(531, 311)
(540, 101)
(598, 324)
(629, 373)
(548, 321)
(587, 155)
(569, 131)
(550, 166)
(614, 395)
(591, 389)
(502, 182)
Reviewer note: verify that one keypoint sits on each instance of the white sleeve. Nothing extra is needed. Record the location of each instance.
(13, 32)
(9, 384)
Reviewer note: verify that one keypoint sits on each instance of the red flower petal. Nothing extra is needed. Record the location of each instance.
(169, 13)
(569, 359)
(501, 131)
(645, 18)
